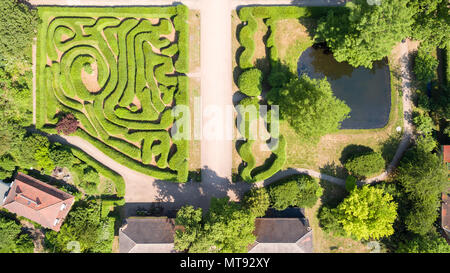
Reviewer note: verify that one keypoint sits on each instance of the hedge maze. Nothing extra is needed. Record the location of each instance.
(121, 72)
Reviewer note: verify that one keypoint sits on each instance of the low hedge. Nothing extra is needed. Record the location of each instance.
(365, 165)
(119, 183)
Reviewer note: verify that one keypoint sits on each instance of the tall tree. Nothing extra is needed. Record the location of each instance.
(367, 213)
(366, 32)
(309, 106)
(227, 228)
(17, 28)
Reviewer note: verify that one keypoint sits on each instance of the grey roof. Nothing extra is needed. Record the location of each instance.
(282, 235)
(4, 188)
(147, 235)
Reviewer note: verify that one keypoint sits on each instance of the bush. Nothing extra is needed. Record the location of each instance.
(425, 66)
(296, 190)
(250, 82)
(67, 125)
(257, 201)
(424, 123)
(350, 183)
(366, 165)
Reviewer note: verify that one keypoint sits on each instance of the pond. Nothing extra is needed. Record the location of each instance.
(365, 91)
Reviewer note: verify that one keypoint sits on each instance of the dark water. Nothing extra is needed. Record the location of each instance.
(365, 91)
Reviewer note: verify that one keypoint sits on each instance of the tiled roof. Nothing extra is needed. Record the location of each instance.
(147, 235)
(38, 201)
(282, 235)
(446, 152)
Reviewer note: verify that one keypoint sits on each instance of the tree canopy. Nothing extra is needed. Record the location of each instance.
(430, 243)
(17, 29)
(367, 213)
(12, 240)
(257, 201)
(309, 106)
(364, 33)
(226, 228)
(423, 176)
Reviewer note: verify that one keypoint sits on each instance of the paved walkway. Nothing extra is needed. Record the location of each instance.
(216, 75)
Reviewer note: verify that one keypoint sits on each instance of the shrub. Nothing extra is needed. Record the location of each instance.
(250, 82)
(365, 165)
(350, 183)
(296, 190)
(257, 201)
(424, 123)
(425, 66)
(67, 125)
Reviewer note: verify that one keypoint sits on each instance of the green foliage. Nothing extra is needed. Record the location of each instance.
(350, 183)
(17, 30)
(426, 143)
(109, 118)
(250, 82)
(367, 213)
(365, 165)
(257, 201)
(61, 156)
(424, 124)
(85, 226)
(296, 190)
(423, 177)
(364, 33)
(429, 243)
(329, 222)
(425, 66)
(11, 238)
(7, 166)
(227, 228)
(310, 107)
(431, 22)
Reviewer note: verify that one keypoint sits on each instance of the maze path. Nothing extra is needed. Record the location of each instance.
(136, 57)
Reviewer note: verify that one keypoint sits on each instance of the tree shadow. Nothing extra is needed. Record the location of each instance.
(353, 150)
(389, 147)
(332, 194)
(331, 168)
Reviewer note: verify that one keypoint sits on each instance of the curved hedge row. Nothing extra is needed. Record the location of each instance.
(120, 78)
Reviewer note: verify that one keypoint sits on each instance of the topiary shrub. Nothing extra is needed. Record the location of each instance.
(297, 190)
(257, 201)
(250, 82)
(67, 125)
(365, 165)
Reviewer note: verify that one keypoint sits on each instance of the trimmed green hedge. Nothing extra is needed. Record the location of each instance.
(119, 183)
(73, 39)
(249, 82)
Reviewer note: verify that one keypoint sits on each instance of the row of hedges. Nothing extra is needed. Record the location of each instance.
(127, 68)
(119, 183)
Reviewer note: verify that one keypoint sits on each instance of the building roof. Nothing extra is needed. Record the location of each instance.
(147, 235)
(38, 201)
(282, 235)
(446, 152)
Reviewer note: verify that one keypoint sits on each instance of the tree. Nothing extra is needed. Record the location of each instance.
(429, 243)
(7, 166)
(431, 22)
(365, 165)
(227, 228)
(67, 125)
(423, 176)
(366, 213)
(12, 240)
(364, 33)
(350, 183)
(61, 156)
(310, 107)
(249, 82)
(84, 225)
(17, 29)
(425, 66)
(257, 201)
(424, 124)
(295, 190)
